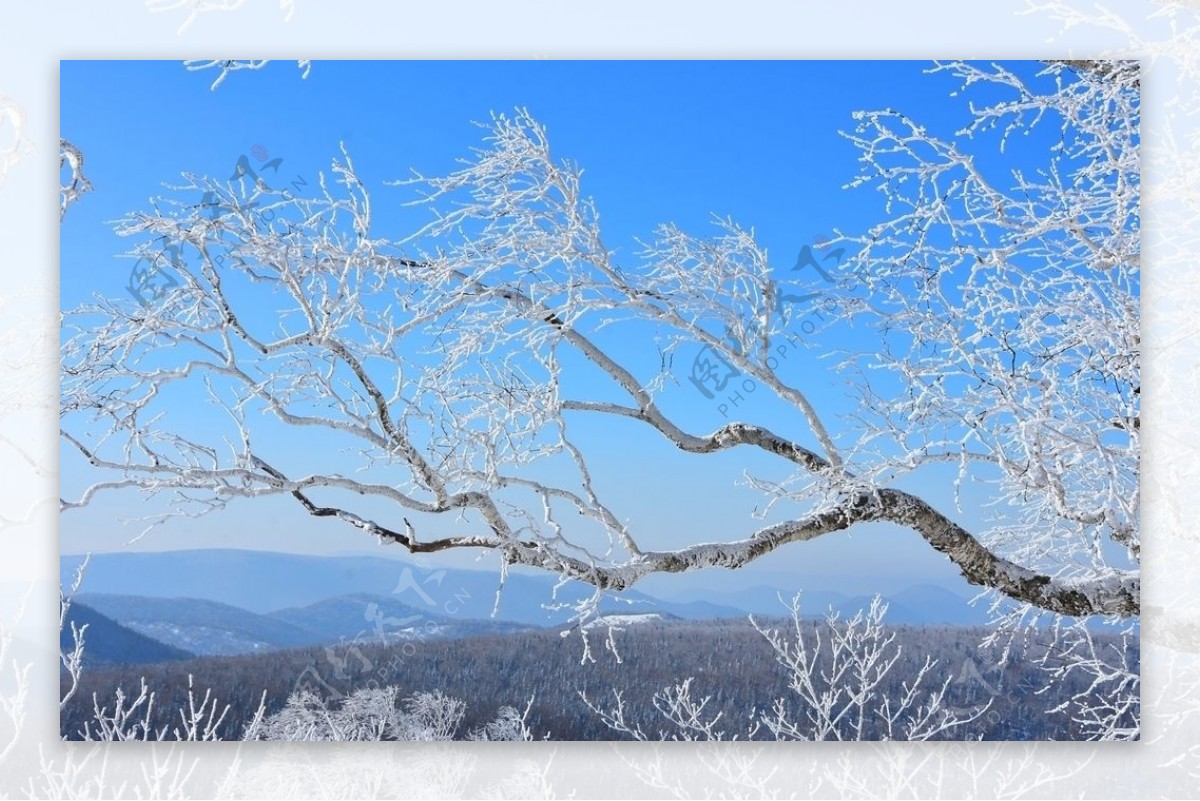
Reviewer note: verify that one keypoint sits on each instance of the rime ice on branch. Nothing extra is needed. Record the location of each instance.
(77, 184)
(447, 359)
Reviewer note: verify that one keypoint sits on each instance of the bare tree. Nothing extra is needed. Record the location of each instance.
(131, 717)
(839, 673)
(1011, 316)
(70, 656)
(380, 714)
(453, 363)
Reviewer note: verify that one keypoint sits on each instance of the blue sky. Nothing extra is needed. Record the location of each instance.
(659, 142)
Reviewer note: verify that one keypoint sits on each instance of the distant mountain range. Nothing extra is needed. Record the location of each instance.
(209, 628)
(383, 619)
(918, 605)
(199, 625)
(148, 607)
(264, 582)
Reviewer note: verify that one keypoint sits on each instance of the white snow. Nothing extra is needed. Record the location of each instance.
(617, 621)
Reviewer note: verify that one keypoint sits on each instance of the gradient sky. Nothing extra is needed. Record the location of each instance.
(659, 142)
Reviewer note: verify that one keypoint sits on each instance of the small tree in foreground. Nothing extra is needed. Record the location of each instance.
(380, 714)
(841, 674)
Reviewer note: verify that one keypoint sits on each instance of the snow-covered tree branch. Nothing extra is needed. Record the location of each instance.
(74, 184)
(452, 362)
(380, 714)
(226, 66)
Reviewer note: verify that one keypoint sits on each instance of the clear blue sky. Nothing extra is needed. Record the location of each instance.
(659, 141)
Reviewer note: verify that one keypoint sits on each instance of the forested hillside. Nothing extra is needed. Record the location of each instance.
(729, 660)
(110, 643)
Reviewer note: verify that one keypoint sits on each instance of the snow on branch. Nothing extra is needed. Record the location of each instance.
(225, 66)
(447, 362)
(76, 184)
(1007, 302)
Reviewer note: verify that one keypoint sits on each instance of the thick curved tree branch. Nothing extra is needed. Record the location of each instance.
(1117, 594)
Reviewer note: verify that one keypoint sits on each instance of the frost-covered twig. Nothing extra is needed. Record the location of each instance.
(1007, 301)
(841, 674)
(1109, 707)
(195, 8)
(381, 714)
(226, 66)
(71, 657)
(78, 184)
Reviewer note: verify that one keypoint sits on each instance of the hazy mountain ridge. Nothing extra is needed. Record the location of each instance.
(202, 626)
(209, 628)
(383, 619)
(265, 582)
(226, 602)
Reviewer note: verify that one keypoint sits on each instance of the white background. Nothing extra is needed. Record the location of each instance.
(35, 35)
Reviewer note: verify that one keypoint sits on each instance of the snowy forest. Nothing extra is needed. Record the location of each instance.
(832, 679)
